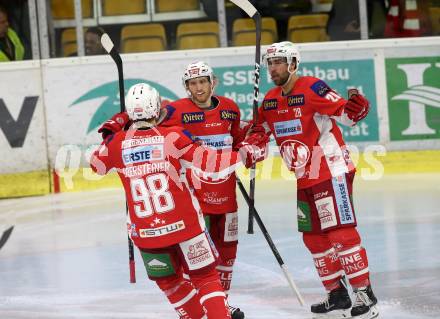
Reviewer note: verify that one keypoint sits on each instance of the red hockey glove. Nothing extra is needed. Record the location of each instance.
(357, 107)
(257, 136)
(251, 154)
(115, 124)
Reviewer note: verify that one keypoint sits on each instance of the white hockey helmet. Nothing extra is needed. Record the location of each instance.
(196, 70)
(142, 102)
(285, 49)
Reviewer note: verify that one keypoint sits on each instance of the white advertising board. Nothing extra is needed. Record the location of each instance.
(22, 120)
(76, 95)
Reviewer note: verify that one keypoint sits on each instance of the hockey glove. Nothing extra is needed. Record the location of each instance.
(251, 154)
(257, 136)
(357, 107)
(115, 124)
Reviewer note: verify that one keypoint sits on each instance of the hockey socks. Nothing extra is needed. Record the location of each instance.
(329, 268)
(183, 298)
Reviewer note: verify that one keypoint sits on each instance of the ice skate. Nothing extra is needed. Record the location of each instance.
(337, 305)
(236, 313)
(365, 304)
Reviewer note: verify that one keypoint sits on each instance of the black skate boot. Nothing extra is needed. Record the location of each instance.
(365, 304)
(337, 305)
(236, 313)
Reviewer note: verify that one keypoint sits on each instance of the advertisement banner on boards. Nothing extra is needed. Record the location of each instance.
(413, 89)
(22, 124)
(237, 84)
(90, 96)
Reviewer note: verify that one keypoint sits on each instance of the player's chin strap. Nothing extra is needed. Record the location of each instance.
(291, 73)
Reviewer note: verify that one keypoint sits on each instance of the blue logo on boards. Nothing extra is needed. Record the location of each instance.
(288, 128)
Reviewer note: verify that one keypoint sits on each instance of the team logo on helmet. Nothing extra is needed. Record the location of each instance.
(195, 71)
(284, 49)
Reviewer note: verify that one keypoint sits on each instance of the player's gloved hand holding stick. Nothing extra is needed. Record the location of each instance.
(357, 106)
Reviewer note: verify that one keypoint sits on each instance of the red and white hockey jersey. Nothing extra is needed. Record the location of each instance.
(162, 209)
(218, 128)
(303, 124)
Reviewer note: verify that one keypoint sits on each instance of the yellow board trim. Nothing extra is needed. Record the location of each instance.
(38, 183)
(24, 184)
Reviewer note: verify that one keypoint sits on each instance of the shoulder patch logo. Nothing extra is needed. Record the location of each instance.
(320, 88)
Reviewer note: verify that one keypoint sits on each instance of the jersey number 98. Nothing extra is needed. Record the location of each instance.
(151, 192)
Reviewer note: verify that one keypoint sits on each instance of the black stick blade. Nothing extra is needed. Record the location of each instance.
(5, 236)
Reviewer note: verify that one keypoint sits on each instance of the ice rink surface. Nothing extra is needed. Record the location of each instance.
(67, 256)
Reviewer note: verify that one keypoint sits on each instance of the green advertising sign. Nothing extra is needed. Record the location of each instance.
(237, 84)
(413, 86)
(110, 105)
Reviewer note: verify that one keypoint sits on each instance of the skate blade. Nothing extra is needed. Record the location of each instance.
(335, 314)
(371, 314)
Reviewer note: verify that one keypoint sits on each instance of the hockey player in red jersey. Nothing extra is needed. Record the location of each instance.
(214, 120)
(301, 112)
(165, 221)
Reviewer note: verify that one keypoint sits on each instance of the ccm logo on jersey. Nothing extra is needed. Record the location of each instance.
(161, 231)
(193, 117)
(270, 104)
(295, 100)
(228, 115)
(213, 124)
(288, 128)
(142, 154)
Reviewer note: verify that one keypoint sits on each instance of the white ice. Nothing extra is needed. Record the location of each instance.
(67, 256)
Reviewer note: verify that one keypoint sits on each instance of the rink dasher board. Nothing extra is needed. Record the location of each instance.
(70, 97)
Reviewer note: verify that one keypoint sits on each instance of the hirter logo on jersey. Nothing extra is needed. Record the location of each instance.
(271, 104)
(320, 88)
(296, 100)
(228, 115)
(193, 117)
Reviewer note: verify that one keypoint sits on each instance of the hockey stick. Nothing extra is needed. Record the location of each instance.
(271, 244)
(108, 45)
(5, 236)
(252, 12)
